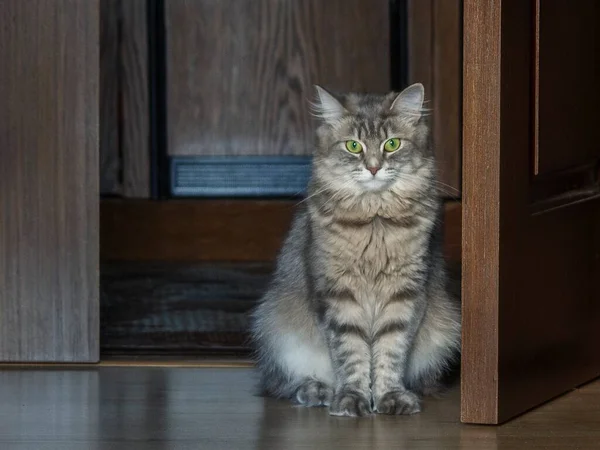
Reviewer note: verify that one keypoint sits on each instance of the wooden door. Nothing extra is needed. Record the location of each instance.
(240, 72)
(531, 218)
(49, 181)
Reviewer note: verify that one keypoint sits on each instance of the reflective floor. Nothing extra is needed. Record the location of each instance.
(176, 408)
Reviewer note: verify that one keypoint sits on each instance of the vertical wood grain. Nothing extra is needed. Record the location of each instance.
(240, 72)
(49, 180)
(110, 160)
(481, 214)
(135, 129)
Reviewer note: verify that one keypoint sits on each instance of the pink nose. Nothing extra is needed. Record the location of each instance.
(373, 170)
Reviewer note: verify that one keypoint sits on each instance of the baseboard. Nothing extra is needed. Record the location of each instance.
(213, 230)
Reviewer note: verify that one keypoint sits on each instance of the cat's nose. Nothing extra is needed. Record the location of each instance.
(373, 170)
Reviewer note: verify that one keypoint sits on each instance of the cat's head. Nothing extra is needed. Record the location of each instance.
(372, 143)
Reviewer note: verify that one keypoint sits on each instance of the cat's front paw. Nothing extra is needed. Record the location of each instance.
(351, 404)
(398, 402)
(314, 393)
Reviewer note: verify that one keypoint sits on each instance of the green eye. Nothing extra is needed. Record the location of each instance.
(392, 145)
(353, 147)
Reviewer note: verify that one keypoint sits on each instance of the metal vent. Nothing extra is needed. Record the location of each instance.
(255, 176)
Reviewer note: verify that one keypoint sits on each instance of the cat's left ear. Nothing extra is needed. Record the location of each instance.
(326, 107)
(410, 101)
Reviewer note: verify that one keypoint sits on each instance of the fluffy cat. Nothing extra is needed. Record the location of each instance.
(358, 316)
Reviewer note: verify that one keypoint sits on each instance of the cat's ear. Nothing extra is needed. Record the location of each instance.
(326, 107)
(410, 101)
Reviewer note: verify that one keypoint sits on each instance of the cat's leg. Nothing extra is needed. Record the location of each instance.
(305, 360)
(344, 320)
(393, 333)
(436, 347)
(292, 354)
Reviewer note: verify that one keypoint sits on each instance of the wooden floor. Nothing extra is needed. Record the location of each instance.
(176, 408)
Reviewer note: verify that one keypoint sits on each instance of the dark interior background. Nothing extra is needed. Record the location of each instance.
(200, 96)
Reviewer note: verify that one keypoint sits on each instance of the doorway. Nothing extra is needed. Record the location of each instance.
(209, 153)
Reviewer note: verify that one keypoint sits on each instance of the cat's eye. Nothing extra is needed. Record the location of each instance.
(391, 145)
(354, 147)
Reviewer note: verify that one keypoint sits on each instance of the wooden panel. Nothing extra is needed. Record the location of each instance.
(110, 161)
(240, 71)
(135, 139)
(49, 180)
(568, 91)
(531, 311)
(209, 230)
(480, 286)
(193, 230)
(435, 59)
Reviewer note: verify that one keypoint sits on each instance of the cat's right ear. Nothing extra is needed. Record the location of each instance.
(326, 107)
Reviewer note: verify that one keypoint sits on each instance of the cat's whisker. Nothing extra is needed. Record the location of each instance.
(338, 194)
(452, 188)
(327, 186)
(446, 188)
(340, 191)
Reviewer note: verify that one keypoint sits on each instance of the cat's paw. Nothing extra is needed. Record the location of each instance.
(351, 404)
(314, 393)
(398, 402)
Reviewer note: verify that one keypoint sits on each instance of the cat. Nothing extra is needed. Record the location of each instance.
(358, 316)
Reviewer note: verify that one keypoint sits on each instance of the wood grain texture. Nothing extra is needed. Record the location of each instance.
(110, 160)
(435, 59)
(134, 89)
(182, 408)
(49, 180)
(531, 319)
(481, 245)
(240, 71)
(213, 230)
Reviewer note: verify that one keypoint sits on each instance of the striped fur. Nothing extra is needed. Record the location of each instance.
(358, 316)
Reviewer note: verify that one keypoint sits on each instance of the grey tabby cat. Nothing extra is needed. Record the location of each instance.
(358, 316)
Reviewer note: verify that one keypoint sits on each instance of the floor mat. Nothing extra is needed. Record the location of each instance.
(178, 307)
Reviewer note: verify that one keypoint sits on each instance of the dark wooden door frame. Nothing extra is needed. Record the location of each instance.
(530, 322)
